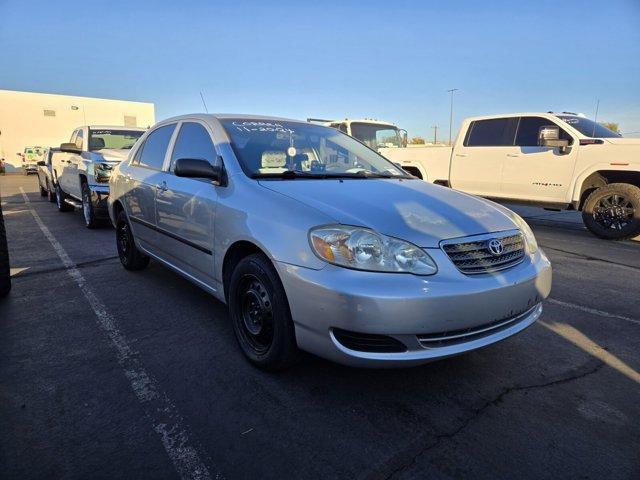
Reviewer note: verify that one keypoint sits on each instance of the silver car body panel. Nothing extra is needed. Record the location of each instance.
(190, 225)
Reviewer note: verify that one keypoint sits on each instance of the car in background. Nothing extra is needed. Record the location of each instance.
(45, 178)
(5, 274)
(81, 174)
(30, 158)
(317, 242)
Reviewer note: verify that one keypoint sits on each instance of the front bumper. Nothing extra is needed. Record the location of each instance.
(99, 197)
(410, 308)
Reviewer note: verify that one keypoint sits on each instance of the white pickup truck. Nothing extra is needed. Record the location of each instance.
(558, 161)
(81, 175)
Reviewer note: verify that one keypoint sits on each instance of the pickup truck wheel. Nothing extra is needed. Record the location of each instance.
(613, 211)
(5, 275)
(130, 257)
(43, 191)
(60, 200)
(88, 212)
(51, 192)
(260, 314)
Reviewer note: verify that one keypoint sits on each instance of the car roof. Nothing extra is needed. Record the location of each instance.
(112, 127)
(205, 117)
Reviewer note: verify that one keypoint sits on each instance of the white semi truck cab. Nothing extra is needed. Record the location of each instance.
(375, 134)
(553, 160)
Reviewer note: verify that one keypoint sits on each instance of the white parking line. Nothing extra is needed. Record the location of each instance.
(166, 420)
(593, 311)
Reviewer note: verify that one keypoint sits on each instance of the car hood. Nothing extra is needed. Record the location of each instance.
(111, 154)
(622, 141)
(412, 210)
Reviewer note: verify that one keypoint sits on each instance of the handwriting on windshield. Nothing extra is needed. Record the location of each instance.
(252, 126)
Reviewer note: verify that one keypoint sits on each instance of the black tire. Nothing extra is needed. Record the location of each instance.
(612, 212)
(260, 314)
(60, 200)
(130, 257)
(88, 212)
(43, 191)
(5, 275)
(51, 192)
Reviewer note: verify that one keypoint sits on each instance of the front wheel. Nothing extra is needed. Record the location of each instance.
(260, 314)
(51, 192)
(88, 211)
(43, 191)
(60, 200)
(612, 212)
(130, 257)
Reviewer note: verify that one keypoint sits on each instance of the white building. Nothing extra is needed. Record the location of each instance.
(42, 119)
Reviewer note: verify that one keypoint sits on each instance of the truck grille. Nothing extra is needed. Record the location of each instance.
(486, 254)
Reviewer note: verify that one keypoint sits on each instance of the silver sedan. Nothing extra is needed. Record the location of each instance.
(317, 242)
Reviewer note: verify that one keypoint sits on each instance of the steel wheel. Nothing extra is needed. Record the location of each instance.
(257, 313)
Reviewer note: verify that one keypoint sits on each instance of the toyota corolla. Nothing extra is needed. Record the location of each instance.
(317, 243)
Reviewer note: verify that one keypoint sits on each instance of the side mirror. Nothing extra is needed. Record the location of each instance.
(404, 137)
(41, 163)
(549, 136)
(197, 168)
(70, 148)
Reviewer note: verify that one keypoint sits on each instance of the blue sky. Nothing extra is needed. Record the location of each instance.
(390, 60)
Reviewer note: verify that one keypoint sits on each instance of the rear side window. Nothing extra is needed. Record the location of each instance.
(193, 142)
(155, 147)
(529, 129)
(495, 132)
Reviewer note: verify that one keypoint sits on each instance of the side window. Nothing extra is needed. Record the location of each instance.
(193, 142)
(495, 132)
(155, 147)
(343, 127)
(74, 135)
(78, 141)
(529, 128)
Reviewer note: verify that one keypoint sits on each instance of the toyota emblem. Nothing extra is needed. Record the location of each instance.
(495, 246)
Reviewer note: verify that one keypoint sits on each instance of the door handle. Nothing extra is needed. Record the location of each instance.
(513, 154)
(461, 154)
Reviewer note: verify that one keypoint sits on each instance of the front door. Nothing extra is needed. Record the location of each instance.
(477, 161)
(144, 176)
(185, 207)
(538, 173)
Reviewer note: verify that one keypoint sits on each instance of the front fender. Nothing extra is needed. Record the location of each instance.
(275, 223)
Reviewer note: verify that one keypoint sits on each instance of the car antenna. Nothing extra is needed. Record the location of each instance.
(203, 102)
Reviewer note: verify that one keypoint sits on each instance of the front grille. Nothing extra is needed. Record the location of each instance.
(368, 342)
(454, 337)
(472, 256)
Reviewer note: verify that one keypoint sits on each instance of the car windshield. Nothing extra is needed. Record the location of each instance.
(110, 138)
(284, 149)
(375, 136)
(587, 127)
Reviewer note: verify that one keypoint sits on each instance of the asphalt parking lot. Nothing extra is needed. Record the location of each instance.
(107, 373)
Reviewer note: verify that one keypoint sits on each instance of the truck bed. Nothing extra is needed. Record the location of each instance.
(432, 161)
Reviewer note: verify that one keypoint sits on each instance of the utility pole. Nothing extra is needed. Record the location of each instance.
(451, 91)
(435, 134)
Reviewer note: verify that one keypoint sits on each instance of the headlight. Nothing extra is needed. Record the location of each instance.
(532, 245)
(364, 249)
(102, 172)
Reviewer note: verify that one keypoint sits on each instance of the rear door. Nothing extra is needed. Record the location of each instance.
(145, 176)
(477, 161)
(185, 207)
(538, 173)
